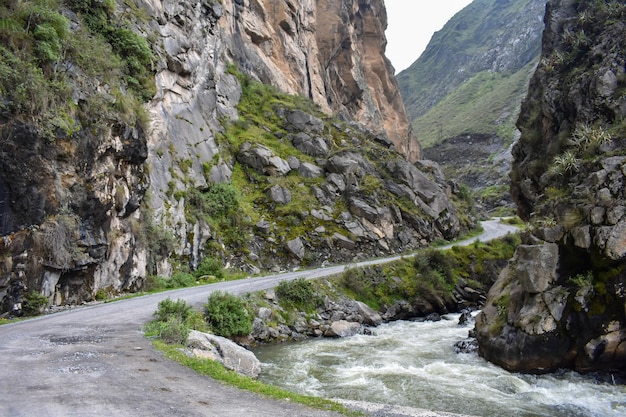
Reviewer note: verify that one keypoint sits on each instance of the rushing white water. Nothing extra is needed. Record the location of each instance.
(414, 364)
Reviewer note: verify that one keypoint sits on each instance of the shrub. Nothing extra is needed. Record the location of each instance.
(172, 321)
(168, 308)
(173, 330)
(582, 280)
(588, 139)
(298, 293)
(219, 200)
(182, 279)
(33, 304)
(209, 266)
(227, 315)
(564, 164)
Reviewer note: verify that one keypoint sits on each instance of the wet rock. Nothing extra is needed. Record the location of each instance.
(466, 318)
(433, 317)
(466, 346)
(343, 328)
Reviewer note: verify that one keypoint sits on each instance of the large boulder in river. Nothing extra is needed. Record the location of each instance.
(538, 319)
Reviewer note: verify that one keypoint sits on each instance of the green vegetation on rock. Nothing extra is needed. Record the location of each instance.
(44, 66)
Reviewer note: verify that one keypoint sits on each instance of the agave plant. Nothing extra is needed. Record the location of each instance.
(588, 139)
(564, 164)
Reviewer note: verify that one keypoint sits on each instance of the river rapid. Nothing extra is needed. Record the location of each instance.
(414, 364)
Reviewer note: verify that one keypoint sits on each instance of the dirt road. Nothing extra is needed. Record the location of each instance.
(94, 361)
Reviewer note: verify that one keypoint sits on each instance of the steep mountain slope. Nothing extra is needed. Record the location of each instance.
(137, 139)
(488, 39)
(561, 302)
(466, 89)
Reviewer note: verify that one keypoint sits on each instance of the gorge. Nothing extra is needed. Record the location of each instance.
(149, 139)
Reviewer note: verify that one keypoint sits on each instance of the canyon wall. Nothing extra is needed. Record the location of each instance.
(110, 194)
(561, 302)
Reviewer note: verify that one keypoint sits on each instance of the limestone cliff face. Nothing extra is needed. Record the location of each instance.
(329, 51)
(561, 303)
(99, 210)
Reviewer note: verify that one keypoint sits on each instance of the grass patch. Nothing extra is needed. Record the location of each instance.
(429, 272)
(474, 107)
(216, 371)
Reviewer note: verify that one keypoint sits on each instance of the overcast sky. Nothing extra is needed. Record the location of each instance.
(411, 24)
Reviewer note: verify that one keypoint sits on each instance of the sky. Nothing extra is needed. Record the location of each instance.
(411, 24)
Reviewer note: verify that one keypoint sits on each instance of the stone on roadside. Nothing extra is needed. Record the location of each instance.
(230, 354)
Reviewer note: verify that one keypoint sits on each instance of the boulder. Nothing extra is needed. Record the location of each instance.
(263, 226)
(360, 208)
(466, 346)
(312, 146)
(343, 242)
(343, 328)
(337, 180)
(308, 170)
(279, 195)
(296, 247)
(301, 121)
(465, 319)
(230, 354)
(349, 163)
(338, 164)
(370, 317)
(262, 160)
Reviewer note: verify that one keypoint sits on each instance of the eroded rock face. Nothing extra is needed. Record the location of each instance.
(89, 191)
(329, 51)
(561, 302)
(68, 215)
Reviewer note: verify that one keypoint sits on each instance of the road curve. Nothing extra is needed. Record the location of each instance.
(94, 361)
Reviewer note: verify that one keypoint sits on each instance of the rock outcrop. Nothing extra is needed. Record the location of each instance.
(329, 51)
(106, 195)
(561, 302)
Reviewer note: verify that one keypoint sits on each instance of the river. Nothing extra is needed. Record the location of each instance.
(414, 364)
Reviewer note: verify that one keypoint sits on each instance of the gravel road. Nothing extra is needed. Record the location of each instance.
(94, 361)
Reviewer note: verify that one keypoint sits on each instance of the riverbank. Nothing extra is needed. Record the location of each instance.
(415, 364)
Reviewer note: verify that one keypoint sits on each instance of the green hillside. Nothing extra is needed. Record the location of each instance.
(473, 74)
(487, 103)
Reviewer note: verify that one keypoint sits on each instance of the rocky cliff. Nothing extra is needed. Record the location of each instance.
(561, 301)
(271, 135)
